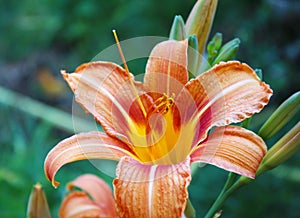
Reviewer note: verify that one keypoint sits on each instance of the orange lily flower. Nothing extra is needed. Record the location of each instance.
(94, 200)
(157, 128)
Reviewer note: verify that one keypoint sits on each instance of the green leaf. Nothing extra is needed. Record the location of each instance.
(52, 115)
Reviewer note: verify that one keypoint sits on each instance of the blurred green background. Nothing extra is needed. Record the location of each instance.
(38, 38)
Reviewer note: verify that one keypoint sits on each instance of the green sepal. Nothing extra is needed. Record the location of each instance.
(178, 29)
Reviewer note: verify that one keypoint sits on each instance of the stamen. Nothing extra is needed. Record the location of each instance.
(127, 71)
(164, 103)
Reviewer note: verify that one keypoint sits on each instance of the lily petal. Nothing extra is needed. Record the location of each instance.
(92, 145)
(78, 204)
(232, 148)
(98, 190)
(109, 93)
(151, 190)
(166, 70)
(228, 93)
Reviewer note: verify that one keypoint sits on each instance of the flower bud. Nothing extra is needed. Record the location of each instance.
(259, 73)
(286, 147)
(37, 204)
(200, 21)
(281, 116)
(193, 57)
(213, 46)
(227, 52)
(178, 30)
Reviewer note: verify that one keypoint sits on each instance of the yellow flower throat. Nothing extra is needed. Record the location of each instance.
(155, 142)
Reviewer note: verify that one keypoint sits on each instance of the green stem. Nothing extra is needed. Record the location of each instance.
(227, 190)
(230, 180)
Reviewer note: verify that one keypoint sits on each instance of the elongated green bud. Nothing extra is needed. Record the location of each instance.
(227, 52)
(193, 57)
(286, 147)
(37, 204)
(178, 29)
(200, 21)
(281, 116)
(213, 46)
